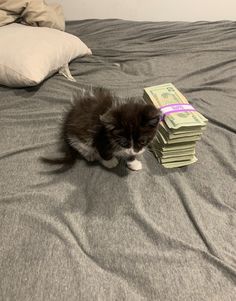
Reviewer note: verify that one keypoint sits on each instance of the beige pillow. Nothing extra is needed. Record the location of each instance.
(28, 54)
(32, 12)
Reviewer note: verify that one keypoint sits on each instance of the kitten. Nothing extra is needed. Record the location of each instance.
(101, 130)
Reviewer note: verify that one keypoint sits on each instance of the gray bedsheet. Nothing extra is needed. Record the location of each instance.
(92, 234)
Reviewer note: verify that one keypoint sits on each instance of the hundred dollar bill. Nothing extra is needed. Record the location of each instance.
(169, 154)
(167, 94)
(175, 159)
(165, 140)
(171, 136)
(163, 95)
(159, 154)
(183, 130)
(178, 146)
(183, 119)
(180, 163)
(174, 134)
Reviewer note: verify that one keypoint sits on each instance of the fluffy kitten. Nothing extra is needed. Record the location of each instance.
(102, 130)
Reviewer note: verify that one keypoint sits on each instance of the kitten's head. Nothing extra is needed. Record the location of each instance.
(131, 127)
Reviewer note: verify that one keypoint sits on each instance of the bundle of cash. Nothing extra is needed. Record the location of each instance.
(181, 126)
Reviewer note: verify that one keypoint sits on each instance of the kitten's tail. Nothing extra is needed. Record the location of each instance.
(68, 160)
(56, 161)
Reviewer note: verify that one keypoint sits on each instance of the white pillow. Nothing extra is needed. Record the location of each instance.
(28, 54)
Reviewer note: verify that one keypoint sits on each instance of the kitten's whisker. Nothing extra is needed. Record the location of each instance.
(92, 131)
(149, 154)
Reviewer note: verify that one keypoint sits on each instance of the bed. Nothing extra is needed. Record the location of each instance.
(93, 234)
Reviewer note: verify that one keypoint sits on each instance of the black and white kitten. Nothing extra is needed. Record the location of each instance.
(102, 130)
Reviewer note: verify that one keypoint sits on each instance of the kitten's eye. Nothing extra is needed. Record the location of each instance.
(115, 132)
(143, 141)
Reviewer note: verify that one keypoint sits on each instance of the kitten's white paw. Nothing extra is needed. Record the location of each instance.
(91, 157)
(134, 165)
(110, 163)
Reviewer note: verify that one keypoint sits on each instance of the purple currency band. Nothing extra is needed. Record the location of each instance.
(175, 108)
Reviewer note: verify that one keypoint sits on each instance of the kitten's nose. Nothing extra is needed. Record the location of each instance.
(131, 152)
(137, 150)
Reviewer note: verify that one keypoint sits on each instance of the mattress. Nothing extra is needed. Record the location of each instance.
(94, 234)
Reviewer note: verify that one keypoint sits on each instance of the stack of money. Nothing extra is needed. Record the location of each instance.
(181, 126)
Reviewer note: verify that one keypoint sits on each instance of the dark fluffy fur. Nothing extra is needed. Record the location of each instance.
(108, 127)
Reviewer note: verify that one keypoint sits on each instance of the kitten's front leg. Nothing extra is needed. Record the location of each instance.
(134, 164)
(107, 159)
(113, 162)
(104, 149)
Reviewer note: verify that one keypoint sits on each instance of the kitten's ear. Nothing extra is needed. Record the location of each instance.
(108, 119)
(151, 116)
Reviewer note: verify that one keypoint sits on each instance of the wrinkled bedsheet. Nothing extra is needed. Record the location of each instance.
(93, 234)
